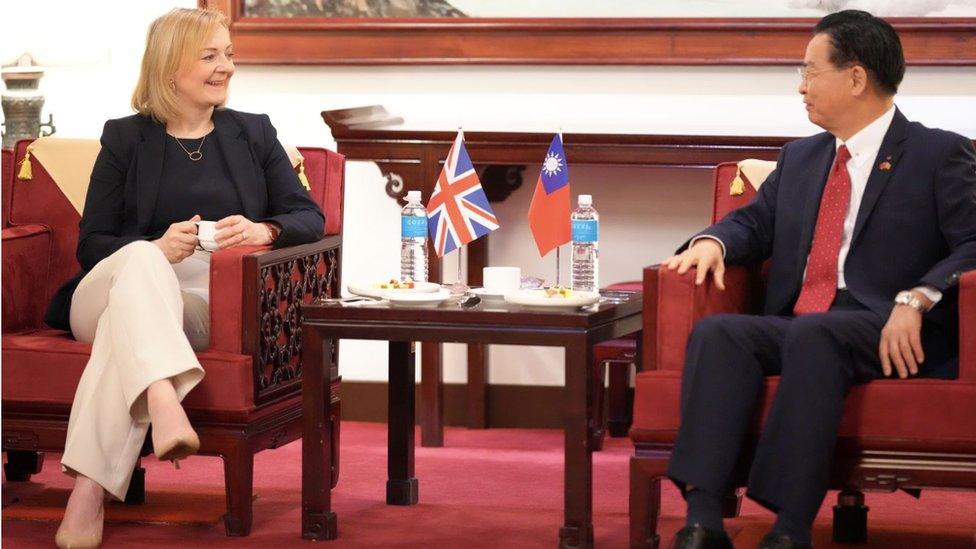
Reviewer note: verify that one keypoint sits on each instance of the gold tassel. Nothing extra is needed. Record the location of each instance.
(25, 173)
(738, 185)
(301, 175)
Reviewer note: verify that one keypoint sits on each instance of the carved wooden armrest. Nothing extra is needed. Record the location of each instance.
(256, 297)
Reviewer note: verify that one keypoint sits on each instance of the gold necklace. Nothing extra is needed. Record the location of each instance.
(195, 155)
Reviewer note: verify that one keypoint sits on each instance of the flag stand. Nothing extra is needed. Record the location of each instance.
(459, 287)
(557, 266)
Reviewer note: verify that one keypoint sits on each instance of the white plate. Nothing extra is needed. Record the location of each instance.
(488, 295)
(377, 293)
(537, 298)
(416, 299)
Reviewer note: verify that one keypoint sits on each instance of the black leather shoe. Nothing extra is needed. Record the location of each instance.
(697, 536)
(773, 540)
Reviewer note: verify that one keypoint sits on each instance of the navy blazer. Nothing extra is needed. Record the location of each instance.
(916, 224)
(125, 183)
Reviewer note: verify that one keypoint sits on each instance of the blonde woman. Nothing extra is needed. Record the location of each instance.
(142, 299)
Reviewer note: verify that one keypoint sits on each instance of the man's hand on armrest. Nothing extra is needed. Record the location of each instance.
(706, 255)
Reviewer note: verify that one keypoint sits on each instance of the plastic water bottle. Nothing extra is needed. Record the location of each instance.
(413, 239)
(586, 256)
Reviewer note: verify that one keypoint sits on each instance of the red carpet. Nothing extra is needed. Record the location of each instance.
(494, 488)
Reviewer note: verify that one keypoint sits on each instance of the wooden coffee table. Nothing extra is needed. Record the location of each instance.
(574, 330)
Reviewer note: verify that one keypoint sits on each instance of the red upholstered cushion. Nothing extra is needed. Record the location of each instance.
(325, 171)
(681, 303)
(226, 303)
(44, 367)
(918, 414)
(39, 200)
(24, 277)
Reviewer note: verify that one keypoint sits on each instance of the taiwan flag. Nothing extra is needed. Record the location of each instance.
(549, 211)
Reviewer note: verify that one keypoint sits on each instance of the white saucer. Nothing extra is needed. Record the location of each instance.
(416, 299)
(377, 293)
(537, 298)
(488, 295)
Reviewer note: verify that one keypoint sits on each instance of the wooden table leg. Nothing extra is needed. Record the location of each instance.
(477, 386)
(432, 395)
(477, 354)
(401, 486)
(318, 520)
(432, 374)
(577, 530)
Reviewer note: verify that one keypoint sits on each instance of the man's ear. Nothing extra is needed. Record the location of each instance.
(859, 80)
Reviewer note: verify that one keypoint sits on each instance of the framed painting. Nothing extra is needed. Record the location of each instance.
(572, 32)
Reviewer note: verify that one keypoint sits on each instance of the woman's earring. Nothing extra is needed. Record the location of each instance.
(172, 84)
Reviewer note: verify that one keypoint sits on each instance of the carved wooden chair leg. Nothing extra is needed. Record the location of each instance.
(239, 485)
(645, 504)
(619, 407)
(732, 504)
(136, 495)
(21, 464)
(850, 518)
(336, 419)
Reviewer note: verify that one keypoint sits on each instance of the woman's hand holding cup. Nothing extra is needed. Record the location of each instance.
(236, 230)
(179, 240)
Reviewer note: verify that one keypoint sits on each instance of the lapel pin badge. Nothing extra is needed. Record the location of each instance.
(884, 166)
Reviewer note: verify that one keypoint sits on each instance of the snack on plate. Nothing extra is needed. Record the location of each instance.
(395, 284)
(558, 291)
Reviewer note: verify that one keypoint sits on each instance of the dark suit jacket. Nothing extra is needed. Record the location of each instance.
(125, 183)
(916, 223)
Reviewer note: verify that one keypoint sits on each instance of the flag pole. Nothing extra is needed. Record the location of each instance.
(459, 287)
(557, 266)
(559, 246)
(459, 281)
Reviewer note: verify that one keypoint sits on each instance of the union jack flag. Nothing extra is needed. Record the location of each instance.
(458, 211)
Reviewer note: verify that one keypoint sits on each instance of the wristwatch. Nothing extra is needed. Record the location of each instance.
(908, 298)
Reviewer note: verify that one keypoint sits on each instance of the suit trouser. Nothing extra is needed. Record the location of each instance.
(130, 307)
(819, 358)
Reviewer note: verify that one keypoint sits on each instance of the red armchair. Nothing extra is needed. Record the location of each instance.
(892, 436)
(249, 400)
(7, 173)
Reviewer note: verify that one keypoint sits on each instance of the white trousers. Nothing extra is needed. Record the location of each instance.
(144, 317)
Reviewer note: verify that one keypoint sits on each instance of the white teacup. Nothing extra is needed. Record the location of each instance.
(502, 280)
(206, 231)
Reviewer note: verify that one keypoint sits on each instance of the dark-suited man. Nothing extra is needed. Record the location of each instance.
(868, 226)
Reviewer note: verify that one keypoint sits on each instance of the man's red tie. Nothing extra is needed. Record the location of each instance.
(820, 282)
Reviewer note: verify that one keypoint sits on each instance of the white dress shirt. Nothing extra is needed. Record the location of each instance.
(863, 146)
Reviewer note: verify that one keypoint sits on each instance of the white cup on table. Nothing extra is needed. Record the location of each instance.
(502, 280)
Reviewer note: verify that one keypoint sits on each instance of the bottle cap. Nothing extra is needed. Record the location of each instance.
(585, 200)
(413, 196)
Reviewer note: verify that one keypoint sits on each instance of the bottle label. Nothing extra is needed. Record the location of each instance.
(586, 230)
(413, 226)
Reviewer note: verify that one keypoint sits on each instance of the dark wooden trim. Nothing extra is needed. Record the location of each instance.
(509, 406)
(593, 41)
(371, 133)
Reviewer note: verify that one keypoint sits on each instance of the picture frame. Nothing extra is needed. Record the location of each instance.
(940, 41)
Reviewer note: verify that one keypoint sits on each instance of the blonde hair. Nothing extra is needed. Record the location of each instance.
(173, 42)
